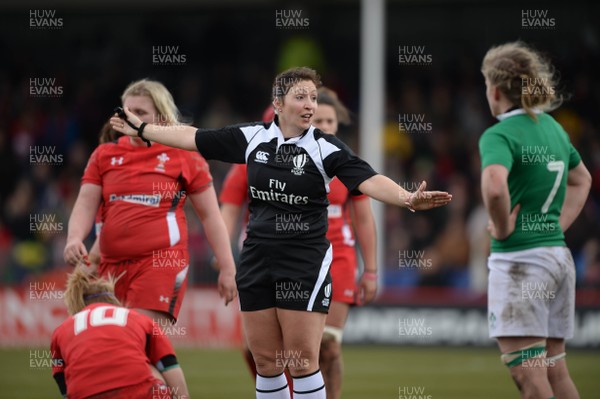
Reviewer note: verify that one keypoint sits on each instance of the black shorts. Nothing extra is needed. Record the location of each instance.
(285, 274)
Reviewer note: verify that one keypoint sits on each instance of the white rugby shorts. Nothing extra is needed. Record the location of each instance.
(531, 293)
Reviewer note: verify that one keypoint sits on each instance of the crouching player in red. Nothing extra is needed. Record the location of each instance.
(107, 351)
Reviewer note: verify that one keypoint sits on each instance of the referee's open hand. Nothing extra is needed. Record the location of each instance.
(121, 126)
(422, 200)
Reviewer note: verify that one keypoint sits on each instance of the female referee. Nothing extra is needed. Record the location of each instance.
(144, 233)
(283, 277)
(533, 185)
(345, 292)
(106, 351)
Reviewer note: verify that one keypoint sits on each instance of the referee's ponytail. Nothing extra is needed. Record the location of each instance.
(84, 289)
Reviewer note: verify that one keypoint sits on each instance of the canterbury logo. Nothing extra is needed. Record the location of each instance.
(261, 156)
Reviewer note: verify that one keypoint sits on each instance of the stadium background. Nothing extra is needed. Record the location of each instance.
(58, 86)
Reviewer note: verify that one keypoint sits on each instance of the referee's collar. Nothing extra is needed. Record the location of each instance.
(515, 111)
(292, 140)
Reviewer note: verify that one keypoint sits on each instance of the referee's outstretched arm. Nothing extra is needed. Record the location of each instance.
(384, 189)
(178, 136)
(378, 187)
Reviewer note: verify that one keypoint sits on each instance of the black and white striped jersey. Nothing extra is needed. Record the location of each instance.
(288, 180)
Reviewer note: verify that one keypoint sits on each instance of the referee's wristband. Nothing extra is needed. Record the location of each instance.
(140, 133)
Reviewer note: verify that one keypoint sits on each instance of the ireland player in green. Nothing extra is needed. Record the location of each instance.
(533, 185)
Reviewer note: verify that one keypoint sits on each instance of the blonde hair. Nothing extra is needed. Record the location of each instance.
(84, 289)
(160, 96)
(523, 76)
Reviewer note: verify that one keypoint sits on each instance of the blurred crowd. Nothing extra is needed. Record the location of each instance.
(45, 141)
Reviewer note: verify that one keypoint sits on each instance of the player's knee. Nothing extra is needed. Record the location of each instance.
(527, 367)
(557, 368)
(529, 381)
(300, 361)
(266, 363)
(330, 348)
(519, 378)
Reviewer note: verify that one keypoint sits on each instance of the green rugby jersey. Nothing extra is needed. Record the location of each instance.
(538, 156)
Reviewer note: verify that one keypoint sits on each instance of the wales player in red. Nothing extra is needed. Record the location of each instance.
(107, 135)
(346, 291)
(142, 189)
(107, 351)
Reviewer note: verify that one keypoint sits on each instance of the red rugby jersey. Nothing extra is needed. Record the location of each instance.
(106, 347)
(143, 190)
(340, 231)
(235, 186)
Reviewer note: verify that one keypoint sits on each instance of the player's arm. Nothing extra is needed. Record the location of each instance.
(178, 136)
(232, 197)
(227, 144)
(160, 353)
(94, 255)
(366, 234)
(496, 198)
(579, 182)
(176, 380)
(81, 221)
(356, 173)
(171, 372)
(174, 377)
(230, 214)
(384, 189)
(206, 206)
